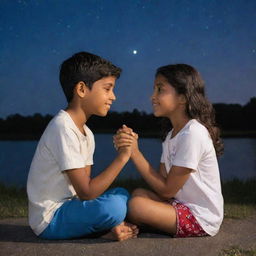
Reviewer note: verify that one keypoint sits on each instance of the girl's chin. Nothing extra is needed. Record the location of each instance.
(156, 114)
(159, 114)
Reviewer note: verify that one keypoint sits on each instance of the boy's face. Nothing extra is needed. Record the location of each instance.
(99, 99)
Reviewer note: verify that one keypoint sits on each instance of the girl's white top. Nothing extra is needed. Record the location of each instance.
(193, 148)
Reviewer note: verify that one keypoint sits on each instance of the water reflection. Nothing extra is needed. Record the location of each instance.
(238, 161)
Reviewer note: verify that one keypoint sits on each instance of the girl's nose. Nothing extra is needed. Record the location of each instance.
(152, 97)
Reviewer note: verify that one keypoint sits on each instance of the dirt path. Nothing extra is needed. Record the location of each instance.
(16, 238)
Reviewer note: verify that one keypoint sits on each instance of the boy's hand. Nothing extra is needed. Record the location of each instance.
(125, 139)
(125, 151)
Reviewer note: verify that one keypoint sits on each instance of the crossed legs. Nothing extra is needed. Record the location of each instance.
(76, 218)
(146, 208)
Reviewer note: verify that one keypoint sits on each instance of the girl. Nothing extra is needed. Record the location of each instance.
(187, 199)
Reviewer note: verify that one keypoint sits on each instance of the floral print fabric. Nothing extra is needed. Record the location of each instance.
(187, 225)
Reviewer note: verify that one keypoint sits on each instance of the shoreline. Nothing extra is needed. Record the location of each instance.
(142, 134)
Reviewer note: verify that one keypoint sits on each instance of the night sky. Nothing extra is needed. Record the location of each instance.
(217, 37)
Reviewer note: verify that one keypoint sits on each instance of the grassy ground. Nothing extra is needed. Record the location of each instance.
(239, 197)
(13, 202)
(235, 251)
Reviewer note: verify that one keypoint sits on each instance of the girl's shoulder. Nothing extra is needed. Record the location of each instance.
(194, 125)
(195, 129)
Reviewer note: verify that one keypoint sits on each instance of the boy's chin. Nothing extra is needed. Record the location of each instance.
(102, 114)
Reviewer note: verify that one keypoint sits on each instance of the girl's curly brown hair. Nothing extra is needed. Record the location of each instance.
(187, 81)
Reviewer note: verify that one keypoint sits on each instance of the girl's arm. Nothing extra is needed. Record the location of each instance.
(164, 185)
(162, 170)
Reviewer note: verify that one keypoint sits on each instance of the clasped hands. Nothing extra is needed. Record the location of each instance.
(125, 140)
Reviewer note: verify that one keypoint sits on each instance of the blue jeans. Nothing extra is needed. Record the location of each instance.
(76, 218)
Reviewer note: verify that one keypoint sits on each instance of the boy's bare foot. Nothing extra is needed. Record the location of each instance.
(122, 232)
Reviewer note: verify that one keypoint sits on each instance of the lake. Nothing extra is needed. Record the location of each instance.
(238, 161)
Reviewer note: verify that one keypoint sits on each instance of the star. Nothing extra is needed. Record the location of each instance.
(134, 52)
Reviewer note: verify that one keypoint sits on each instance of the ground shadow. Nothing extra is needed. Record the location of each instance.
(23, 234)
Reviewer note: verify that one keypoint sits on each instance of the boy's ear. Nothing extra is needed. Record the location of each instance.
(81, 89)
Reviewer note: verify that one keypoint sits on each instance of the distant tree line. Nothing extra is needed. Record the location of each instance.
(233, 119)
(236, 117)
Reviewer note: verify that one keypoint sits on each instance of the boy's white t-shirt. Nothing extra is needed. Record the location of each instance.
(61, 147)
(193, 148)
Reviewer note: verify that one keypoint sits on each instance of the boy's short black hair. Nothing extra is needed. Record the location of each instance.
(84, 67)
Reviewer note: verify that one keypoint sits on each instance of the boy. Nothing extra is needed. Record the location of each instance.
(64, 202)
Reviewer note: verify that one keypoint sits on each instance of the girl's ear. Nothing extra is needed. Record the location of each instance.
(81, 89)
(183, 99)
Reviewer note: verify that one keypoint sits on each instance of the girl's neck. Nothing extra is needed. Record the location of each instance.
(178, 123)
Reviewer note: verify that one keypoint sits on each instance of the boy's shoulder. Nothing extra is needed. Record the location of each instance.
(59, 124)
(62, 123)
(60, 120)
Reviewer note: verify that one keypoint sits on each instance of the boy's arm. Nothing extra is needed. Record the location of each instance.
(87, 188)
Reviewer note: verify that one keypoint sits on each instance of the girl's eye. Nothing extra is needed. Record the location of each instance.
(159, 89)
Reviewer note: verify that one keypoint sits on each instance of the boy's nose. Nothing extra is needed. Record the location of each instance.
(113, 96)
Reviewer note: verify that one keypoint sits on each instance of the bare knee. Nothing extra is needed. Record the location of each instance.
(140, 192)
(135, 209)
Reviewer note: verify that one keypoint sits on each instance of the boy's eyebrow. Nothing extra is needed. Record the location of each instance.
(109, 84)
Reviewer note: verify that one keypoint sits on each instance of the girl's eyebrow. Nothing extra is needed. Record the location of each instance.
(159, 84)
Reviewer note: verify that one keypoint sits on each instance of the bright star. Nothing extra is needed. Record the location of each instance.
(134, 52)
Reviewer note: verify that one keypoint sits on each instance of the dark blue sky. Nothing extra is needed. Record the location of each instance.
(217, 37)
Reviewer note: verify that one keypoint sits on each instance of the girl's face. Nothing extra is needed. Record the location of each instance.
(165, 100)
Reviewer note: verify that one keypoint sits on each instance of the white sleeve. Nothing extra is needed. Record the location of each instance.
(162, 155)
(164, 149)
(162, 158)
(65, 148)
(188, 150)
(90, 148)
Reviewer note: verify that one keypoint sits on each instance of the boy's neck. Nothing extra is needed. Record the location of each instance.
(78, 116)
